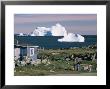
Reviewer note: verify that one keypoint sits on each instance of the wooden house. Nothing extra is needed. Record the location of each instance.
(21, 51)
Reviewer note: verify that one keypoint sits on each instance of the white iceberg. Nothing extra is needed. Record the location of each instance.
(58, 30)
(72, 38)
(21, 34)
(41, 31)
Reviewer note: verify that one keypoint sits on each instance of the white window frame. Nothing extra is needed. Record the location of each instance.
(31, 54)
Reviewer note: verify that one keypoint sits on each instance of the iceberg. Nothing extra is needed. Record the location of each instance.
(57, 30)
(72, 38)
(21, 34)
(41, 31)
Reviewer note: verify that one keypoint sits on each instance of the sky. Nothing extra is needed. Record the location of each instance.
(84, 24)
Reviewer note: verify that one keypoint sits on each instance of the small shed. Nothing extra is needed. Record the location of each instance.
(21, 51)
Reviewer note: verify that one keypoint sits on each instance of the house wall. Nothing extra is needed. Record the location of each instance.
(24, 51)
(34, 56)
(17, 52)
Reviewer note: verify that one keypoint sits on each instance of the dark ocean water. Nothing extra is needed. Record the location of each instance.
(51, 41)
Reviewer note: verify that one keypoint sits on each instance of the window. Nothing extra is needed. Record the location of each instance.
(31, 51)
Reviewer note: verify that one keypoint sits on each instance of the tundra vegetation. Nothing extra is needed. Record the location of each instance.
(59, 61)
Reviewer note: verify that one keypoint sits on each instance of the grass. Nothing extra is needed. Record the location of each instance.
(43, 69)
(72, 51)
(57, 66)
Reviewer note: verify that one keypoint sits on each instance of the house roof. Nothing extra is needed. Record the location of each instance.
(24, 43)
(24, 46)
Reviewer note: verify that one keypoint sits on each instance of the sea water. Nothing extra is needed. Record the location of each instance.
(52, 41)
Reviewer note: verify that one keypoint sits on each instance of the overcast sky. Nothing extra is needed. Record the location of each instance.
(84, 24)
